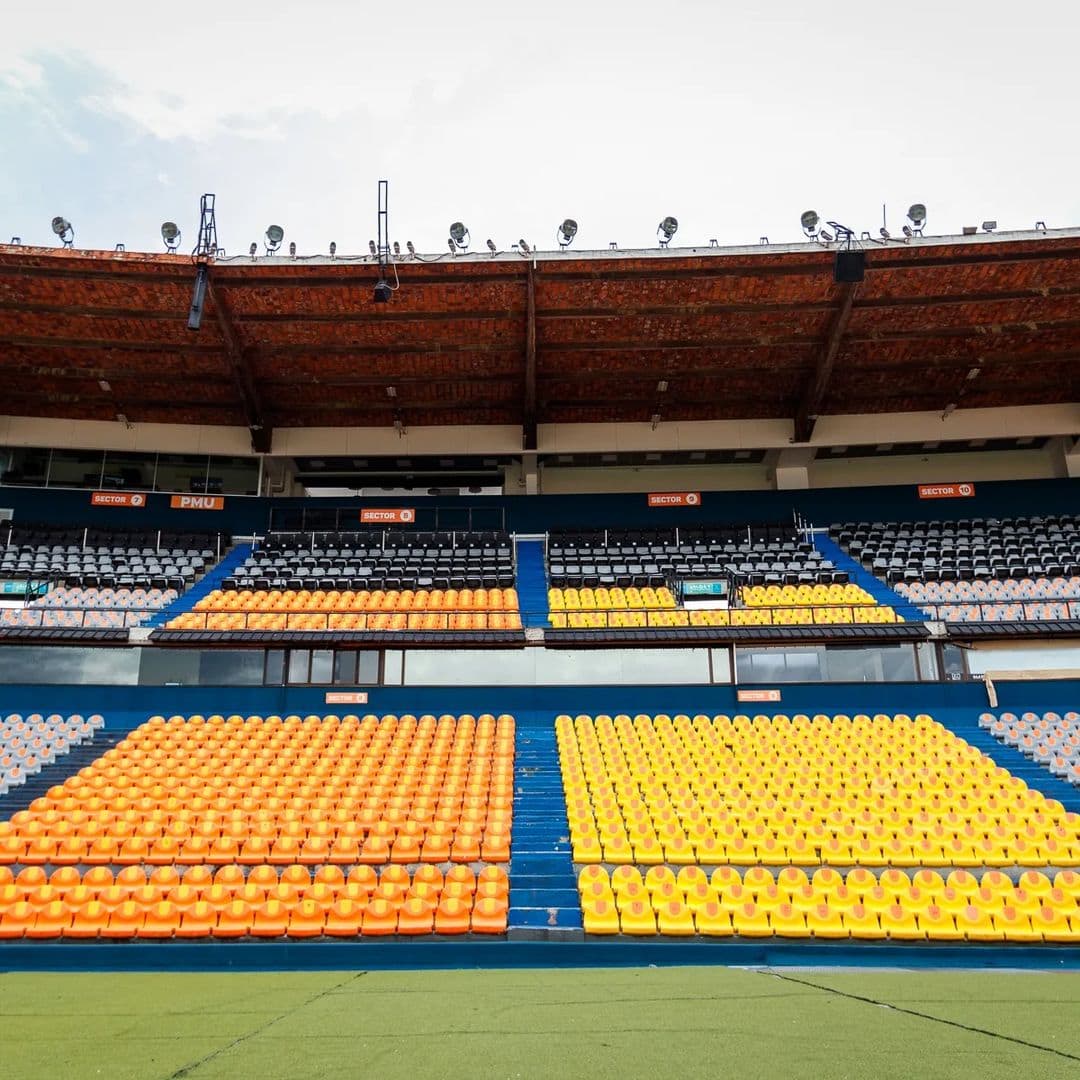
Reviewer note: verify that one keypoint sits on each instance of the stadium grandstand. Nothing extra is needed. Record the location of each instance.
(672, 606)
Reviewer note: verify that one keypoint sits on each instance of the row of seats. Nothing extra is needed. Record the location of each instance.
(862, 906)
(979, 591)
(98, 608)
(825, 616)
(250, 791)
(27, 744)
(1034, 612)
(841, 791)
(260, 901)
(393, 601)
(264, 621)
(1050, 739)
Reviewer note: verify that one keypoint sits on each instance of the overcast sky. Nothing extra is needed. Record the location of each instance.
(734, 117)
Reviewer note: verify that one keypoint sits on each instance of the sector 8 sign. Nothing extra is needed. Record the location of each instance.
(386, 516)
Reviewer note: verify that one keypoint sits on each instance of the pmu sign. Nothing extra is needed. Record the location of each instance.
(386, 516)
(197, 502)
(946, 491)
(675, 498)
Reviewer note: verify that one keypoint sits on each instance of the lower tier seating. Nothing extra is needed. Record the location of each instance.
(1010, 600)
(90, 608)
(759, 902)
(251, 902)
(423, 609)
(1050, 739)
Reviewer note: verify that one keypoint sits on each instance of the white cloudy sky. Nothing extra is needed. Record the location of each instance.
(734, 117)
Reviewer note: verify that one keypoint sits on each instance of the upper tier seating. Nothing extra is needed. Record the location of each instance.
(89, 608)
(28, 743)
(110, 559)
(1050, 739)
(367, 581)
(631, 578)
(975, 570)
(758, 554)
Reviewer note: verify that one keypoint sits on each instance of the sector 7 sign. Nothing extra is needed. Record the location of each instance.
(131, 499)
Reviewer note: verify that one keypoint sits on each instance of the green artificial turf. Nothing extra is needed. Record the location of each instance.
(657, 1023)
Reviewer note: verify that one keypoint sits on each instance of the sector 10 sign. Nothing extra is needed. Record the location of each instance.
(674, 498)
(946, 491)
(386, 516)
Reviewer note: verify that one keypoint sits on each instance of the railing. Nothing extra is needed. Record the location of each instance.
(1046, 609)
(74, 618)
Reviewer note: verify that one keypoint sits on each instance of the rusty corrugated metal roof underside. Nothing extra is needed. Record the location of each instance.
(758, 334)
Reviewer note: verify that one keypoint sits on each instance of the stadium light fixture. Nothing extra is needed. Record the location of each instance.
(292, 248)
(410, 247)
(809, 221)
(333, 249)
(1040, 226)
(666, 230)
(460, 237)
(567, 232)
(524, 247)
(391, 391)
(450, 245)
(170, 235)
(989, 226)
(18, 239)
(274, 235)
(397, 248)
(825, 236)
(253, 249)
(917, 216)
(491, 245)
(63, 229)
(372, 248)
(383, 292)
(884, 233)
(908, 231)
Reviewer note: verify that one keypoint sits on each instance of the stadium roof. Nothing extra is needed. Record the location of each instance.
(679, 334)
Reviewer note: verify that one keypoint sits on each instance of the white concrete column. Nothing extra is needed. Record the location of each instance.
(792, 470)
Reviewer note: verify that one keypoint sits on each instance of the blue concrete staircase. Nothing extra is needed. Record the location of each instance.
(859, 575)
(20, 798)
(210, 581)
(532, 585)
(966, 725)
(543, 889)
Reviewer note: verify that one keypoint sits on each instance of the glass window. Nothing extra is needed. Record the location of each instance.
(66, 665)
(721, 665)
(25, 465)
(826, 663)
(124, 471)
(275, 667)
(231, 667)
(184, 473)
(344, 668)
(76, 468)
(164, 667)
(952, 660)
(1036, 657)
(299, 666)
(322, 666)
(926, 656)
(367, 673)
(233, 476)
(393, 664)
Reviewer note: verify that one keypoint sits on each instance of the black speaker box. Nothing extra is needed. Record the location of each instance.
(850, 266)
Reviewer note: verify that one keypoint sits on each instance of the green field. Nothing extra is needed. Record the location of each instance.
(655, 1022)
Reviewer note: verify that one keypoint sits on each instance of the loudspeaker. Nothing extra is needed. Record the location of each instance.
(850, 266)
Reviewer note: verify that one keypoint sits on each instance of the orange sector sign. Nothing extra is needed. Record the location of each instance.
(197, 502)
(337, 697)
(946, 491)
(675, 498)
(758, 695)
(118, 498)
(381, 516)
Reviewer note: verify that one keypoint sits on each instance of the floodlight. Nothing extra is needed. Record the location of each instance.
(491, 246)
(170, 234)
(917, 215)
(254, 248)
(524, 247)
(383, 292)
(397, 248)
(908, 231)
(826, 236)
(292, 248)
(63, 228)
(372, 248)
(884, 233)
(274, 235)
(567, 232)
(459, 236)
(989, 226)
(450, 245)
(666, 230)
(809, 221)
(409, 247)
(333, 249)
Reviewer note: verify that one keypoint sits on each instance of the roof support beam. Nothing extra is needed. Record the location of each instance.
(806, 415)
(261, 433)
(528, 423)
